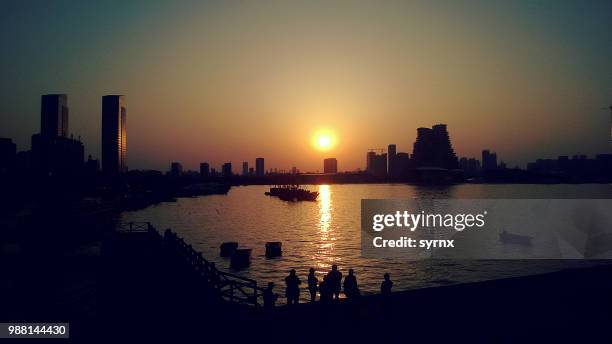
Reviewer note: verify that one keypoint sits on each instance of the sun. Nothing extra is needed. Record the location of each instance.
(324, 140)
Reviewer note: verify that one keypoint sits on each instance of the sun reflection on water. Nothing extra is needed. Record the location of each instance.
(325, 256)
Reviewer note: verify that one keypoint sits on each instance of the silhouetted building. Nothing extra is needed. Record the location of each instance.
(433, 148)
(330, 165)
(376, 164)
(54, 115)
(259, 167)
(8, 154)
(401, 165)
(204, 169)
(489, 160)
(391, 164)
(226, 169)
(176, 169)
(57, 155)
(92, 166)
(245, 168)
(114, 139)
(470, 167)
(251, 171)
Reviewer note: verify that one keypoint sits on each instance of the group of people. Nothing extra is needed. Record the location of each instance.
(329, 288)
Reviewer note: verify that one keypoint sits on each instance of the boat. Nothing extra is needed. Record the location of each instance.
(292, 193)
(511, 238)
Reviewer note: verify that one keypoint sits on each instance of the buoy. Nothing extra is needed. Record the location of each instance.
(228, 248)
(241, 258)
(274, 249)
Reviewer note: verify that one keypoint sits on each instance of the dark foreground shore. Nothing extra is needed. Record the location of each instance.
(133, 290)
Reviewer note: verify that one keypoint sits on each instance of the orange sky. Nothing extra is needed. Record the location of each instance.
(232, 81)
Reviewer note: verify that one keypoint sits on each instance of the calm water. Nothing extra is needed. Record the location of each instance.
(319, 234)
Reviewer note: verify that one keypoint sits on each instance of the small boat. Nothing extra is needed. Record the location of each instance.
(511, 238)
(292, 193)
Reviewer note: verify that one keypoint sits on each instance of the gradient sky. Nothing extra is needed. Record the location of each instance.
(233, 80)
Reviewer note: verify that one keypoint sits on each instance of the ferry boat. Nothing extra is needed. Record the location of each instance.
(292, 193)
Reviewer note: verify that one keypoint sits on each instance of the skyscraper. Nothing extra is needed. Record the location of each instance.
(53, 152)
(204, 169)
(245, 168)
(226, 169)
(114, 145)
(489, 160)
(259, 167)
(433, 148)
(330, 165)
(54, 115)
(376, 164)
(391, 156)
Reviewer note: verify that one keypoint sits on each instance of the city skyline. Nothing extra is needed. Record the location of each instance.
(231, 82)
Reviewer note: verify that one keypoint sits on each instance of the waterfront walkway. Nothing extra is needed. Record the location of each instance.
(150, 292)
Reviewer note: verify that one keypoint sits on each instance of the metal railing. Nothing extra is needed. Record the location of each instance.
(232, 288)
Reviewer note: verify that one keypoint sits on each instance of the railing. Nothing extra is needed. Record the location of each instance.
(232, 288)
(133, 227)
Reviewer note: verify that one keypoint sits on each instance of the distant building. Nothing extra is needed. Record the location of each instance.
(470, 166)
(330, 165)
(251, 171)
(176, 169)
(294, 170)
(226, 169)
(114, 138)
(54, 115)
(376, 164)
(489, 160)
(391, 157)
(259, 167)
(8, 154)
(92, 166)
(204, 169)
(57, 155)
(401, 165)
(245, 168)
(53, 153)
(433, 148)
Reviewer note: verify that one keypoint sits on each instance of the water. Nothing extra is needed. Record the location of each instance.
(319, 234)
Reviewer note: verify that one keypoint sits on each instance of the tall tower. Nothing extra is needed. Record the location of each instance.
(259, 167)
(54, 115)
(114, 145)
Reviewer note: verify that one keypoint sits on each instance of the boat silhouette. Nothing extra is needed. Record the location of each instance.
(292, 193)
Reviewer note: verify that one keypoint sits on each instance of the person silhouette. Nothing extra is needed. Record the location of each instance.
(312, 284)
(293, 288)
(335, 281)
(386, 285)
(269, 296)
(325, 290)
(351, 290)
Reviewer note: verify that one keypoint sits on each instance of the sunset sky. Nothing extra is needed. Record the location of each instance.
(234, 80)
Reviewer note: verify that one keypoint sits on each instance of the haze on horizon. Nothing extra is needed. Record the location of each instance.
(234, 80)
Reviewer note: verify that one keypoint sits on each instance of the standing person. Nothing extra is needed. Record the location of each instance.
(269, 296)
(351, 290)
(312, 284)
(293, 288)
(386, 285)
(335, 281)
(325, 290)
